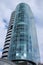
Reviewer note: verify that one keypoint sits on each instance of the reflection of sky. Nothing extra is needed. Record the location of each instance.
(7, 6)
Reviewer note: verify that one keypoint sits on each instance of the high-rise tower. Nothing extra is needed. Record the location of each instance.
(23, 41)
(8, 38)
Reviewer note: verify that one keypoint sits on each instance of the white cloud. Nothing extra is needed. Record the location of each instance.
(40, 40)
(2, 34)
(4, 14)
(4, 11)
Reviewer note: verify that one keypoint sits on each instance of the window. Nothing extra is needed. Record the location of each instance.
(20, 16)
(4, 56)
(15, 39)
(4, 52)
(6, 47)
(8, 37)
(21, 8)
(13, 55)
(8, 34)
(11, 27)
(6, 44)
(9, 31)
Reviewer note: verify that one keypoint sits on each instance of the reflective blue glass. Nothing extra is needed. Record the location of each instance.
(24, 44)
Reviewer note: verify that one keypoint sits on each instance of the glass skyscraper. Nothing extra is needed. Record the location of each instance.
(23, 41)
(24, 44)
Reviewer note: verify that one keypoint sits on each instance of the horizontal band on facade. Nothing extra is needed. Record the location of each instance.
(5, 52)
(9, 31)
(5, 48)
(10, 27)
(8, 37)
(4, 56)
(6, 44)
(7, 40)
(8, 34)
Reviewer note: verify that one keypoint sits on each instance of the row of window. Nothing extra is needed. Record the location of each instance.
(20, 39)
(8, 34)
(4, 56)
(19, 31)
(4, 52)
(21, 8)
(9, 31)
(20, 26)
(6, 44)
(19, 47)
(8, 37)
(11, 27)
(5, 48)
(21, 35)
(7, 41)
(20, 16)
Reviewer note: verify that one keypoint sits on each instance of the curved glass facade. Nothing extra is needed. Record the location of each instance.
(24, 43)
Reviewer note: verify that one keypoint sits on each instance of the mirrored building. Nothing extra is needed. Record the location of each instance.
(24, 44)
(23, 41)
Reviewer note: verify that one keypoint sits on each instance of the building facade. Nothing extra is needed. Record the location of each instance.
(23, 41)
(8, 37)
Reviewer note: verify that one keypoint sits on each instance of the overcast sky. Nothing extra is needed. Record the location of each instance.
(8, 6)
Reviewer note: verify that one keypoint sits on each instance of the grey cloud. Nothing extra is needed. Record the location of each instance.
(4, 21)
(4, 15)
(6, 26)
(39, 2)
(39, 21)
(1, 50)
(11, 4)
